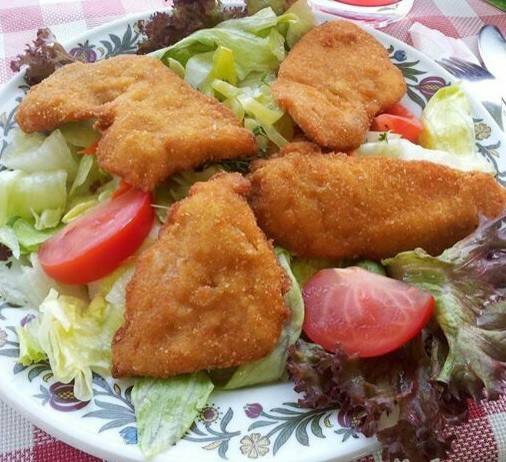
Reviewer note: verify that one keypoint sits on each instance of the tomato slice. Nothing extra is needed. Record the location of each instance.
(399, 120)
(399, 110)
(365, 313)
(122, 188)
(95, 244)
(91, 149)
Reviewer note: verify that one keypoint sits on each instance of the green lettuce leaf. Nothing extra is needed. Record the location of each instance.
(35, 153)
(88, 173)
(237, 60)
(468, 282)
(80, 134)
(247, 38)
(305, 268)
(25, 284)
(372, 266)
(48, 218)
(23, 194)
(50, 186)
(75, 337)
(400, 148)
(9, 239)
(166, 408)
(28, 236)
(272, 367)
(254, 6)
(178, 186)
(306, 21)
(448, 123)
(30, 349)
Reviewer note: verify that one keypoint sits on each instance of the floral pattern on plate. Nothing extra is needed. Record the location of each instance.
(257, 423)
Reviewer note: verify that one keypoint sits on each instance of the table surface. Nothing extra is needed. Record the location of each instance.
(482, 439)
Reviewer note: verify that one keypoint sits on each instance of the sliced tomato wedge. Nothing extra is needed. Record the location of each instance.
(122, 188)
(91, 149)
(399, 110)
(399, 120)
(365, 313)
(97, 243)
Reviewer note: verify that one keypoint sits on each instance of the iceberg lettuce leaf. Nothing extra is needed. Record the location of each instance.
(166, 408)
(25, 284)
(76, 338)
(28, 236)
(9, 239)
(35, 153)
(448, 123)
(23, 194)
(236, 61)
(80, 134)
(401, 148)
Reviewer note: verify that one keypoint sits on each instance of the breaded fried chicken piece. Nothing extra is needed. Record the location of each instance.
(207, 294)
(336, 206)
(153, 123)
(334, 81)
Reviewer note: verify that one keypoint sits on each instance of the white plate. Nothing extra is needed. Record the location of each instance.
(256, 423)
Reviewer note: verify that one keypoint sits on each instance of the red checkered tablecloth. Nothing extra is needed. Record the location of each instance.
(482, 439)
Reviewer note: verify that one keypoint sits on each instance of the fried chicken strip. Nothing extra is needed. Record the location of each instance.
(333, 82)
(336, 206)
(207, 294)
(153, 123)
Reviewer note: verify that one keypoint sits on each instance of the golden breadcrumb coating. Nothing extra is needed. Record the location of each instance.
(336, 206)
(153, 123)
(208, 294)
(334, 81)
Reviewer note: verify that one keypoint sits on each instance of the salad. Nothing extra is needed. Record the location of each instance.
(410, 337)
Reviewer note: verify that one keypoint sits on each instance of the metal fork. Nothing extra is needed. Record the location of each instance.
(465, 69)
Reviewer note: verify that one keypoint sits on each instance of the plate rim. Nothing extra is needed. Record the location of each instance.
(111, 450)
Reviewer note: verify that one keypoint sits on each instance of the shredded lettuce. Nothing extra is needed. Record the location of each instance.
(272, 367)
(28, 236)
(25, 284)
(448, 123)
(117, 293)
(30, 349)
(372, 266)
(48, 186)
(400, 148)
(166, 408)
(178, 186)
(74, 336)
(237, 60)
(48, 218)
(247, 38)
(23, 194)
(305, 22)
(305, 268)
(256, 5)
(35, 153)
(9, 239)
(80, 134)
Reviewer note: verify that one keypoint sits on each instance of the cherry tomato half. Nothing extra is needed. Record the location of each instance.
(96, 243)
(399, 120)
(365, 313)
